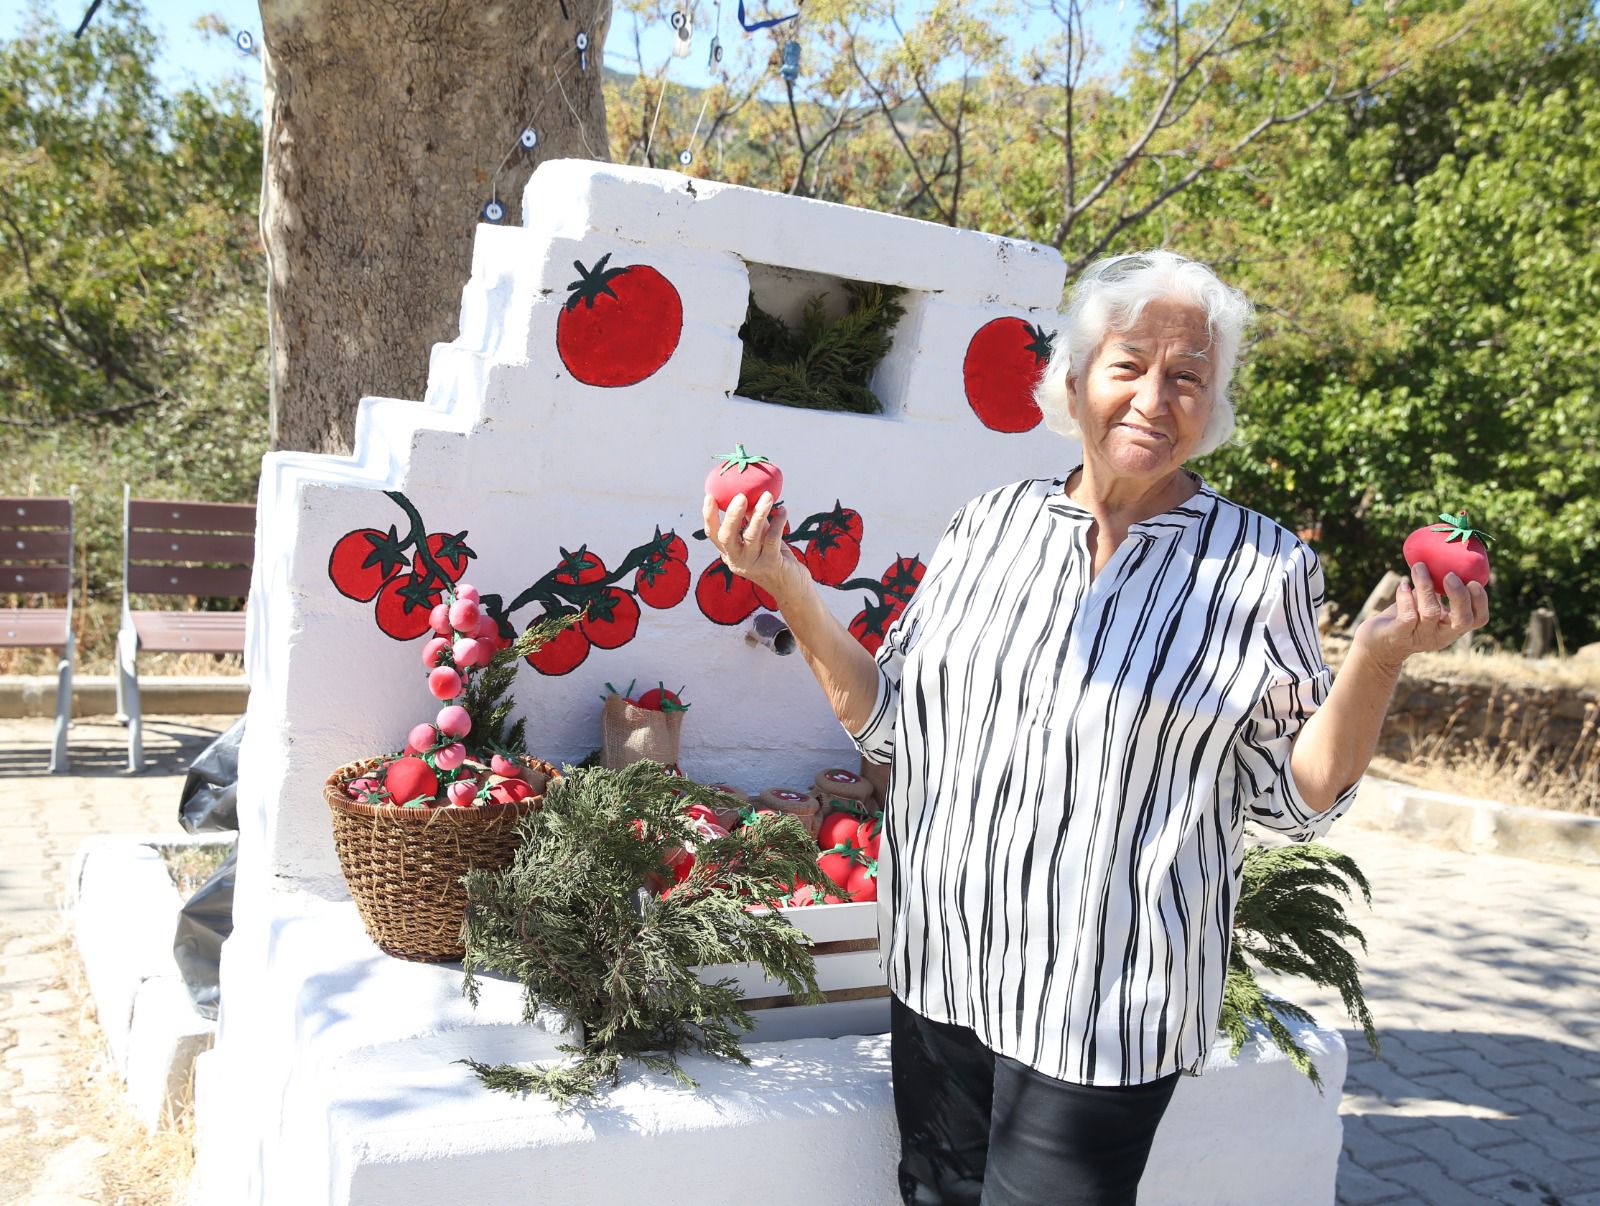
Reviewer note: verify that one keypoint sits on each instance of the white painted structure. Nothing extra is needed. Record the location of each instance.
(331, 1080)
(124, 911)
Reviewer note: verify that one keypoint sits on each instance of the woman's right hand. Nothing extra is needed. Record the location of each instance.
(752, 544)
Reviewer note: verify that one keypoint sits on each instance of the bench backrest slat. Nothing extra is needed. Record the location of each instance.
(144, 513)
(165, 547)
(35, 513)
(189, 580)
(35, 580)
(22, 546)
(163, 539)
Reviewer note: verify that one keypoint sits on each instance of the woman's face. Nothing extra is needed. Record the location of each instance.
(1143, 403)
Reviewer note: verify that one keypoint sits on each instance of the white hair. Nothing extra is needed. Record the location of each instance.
(1110, 295)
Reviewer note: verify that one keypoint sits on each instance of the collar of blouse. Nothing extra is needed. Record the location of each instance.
(1186, 513)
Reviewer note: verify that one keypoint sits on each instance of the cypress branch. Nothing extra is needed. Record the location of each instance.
(824, 365)
(1291, 920)
(574, 923)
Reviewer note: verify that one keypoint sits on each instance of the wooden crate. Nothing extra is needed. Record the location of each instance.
(850, 973)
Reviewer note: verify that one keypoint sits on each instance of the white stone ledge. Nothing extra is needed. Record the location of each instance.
(356, 1101)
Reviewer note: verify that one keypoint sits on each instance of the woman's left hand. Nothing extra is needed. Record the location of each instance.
(1420, 621)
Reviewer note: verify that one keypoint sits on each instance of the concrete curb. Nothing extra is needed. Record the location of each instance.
(96, 695)
(1476, 826)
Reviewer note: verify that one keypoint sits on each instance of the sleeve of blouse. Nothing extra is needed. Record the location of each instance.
(1297, 683)
(876, 739)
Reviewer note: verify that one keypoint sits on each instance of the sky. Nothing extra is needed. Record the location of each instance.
(191, 57)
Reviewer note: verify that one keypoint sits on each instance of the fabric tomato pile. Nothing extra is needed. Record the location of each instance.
(442, 765)
(840, 810)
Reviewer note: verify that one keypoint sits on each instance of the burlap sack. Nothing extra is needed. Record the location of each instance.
(629, 733)
(845, 784)
(803, 805)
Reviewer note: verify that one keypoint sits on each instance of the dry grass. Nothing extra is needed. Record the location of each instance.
(1514, 765)
(190, 865)
(137, 1168)
(1487, 665)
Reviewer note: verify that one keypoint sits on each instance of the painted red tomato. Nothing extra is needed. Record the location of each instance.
(900, 580)
(363, 560)
(832, 556)
(674, 548)
(450, 551)
(1450, 546)
(723, 596)
(619, 324)
(562, 654)
(579, 568)
(1004, 362)
(610, 620)
(663, 583)
(740, 472)
(405, 603)
(842, 519)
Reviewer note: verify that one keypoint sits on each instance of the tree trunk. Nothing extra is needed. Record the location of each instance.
(385, 122)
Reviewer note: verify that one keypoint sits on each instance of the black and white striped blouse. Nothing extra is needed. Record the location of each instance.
(1072, 761)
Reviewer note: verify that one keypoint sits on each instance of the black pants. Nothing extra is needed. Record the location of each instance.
(976, 1127)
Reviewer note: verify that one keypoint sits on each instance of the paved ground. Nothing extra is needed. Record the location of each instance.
(63, 1136)
(1483, 975)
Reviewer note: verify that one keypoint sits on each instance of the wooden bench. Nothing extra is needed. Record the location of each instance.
(199, 550)
(36, 558)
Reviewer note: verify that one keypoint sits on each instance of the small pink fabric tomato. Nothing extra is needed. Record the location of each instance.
(505, 767)
(439, 619)
(464, 615)
(469, 652)
(452, 756)
(454, 721)
(432, 651)
(445, 683)
(468, 592)
(486, 627)
(421, 738)
(461, 792)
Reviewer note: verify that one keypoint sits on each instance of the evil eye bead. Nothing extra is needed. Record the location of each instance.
(582, 40)
(493, 211)
(679, 21)
(245, 41)
(529, 138)
(685, 157)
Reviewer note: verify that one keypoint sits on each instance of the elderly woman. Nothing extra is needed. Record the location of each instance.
(1099, 679)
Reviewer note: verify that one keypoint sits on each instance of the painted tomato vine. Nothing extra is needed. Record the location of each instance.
(405, 571)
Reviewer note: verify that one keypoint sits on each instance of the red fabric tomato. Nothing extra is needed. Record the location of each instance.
(838, 829)
(410, 778)
(862, 883)
(836, 864)
(740, 472)
(362, 561)
(450, 550)
(1450, 547)
(405, 604)
(562, 654)
(723, 596)
(1004, 362)
(611, 620)
(832, 556)
(619, 324)
(663, 583)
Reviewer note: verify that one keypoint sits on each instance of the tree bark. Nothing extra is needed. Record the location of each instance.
(385, 121)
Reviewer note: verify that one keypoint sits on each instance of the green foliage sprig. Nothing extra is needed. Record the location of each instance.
(825, 365)
(573, 921)
(488, 695)
(1291, 920)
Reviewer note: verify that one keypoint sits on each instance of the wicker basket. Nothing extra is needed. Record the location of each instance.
(404, 865)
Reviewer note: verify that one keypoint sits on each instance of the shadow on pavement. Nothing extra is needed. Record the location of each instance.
(98, 746)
